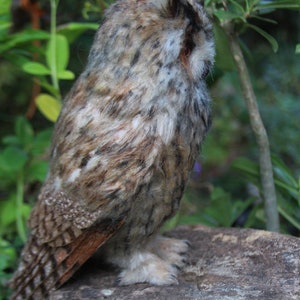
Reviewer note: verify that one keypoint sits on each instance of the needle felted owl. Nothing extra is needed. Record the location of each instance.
(126, 139)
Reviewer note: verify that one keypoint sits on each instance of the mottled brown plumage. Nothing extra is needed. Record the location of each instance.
(126, 139)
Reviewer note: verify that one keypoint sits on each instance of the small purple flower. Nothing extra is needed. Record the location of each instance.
(196, 171)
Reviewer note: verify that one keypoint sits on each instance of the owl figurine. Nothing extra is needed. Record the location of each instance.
(123, 146)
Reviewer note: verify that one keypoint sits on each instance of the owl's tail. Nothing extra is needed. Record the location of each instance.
(44, 268)
(38, 272)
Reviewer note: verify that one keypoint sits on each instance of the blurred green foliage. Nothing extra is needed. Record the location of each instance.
(288, 187)
(226, 191)
(22, 163)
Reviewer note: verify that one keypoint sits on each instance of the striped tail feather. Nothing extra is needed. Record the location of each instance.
(44, 268)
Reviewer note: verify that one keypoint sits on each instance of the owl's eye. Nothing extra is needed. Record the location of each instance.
(173, 8)
(189, 44)
(179, 8)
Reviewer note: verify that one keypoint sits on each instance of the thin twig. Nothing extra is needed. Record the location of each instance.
(266, 171)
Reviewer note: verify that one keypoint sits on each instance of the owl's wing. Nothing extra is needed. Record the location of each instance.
(104, 149)
(97, 168)
(94, 179)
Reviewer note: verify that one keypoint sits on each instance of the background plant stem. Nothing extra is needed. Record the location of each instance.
(19, 201)
(266, 171)
(54, 4)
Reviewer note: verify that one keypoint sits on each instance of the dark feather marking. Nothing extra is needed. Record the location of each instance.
(84, 161)
(135, 58)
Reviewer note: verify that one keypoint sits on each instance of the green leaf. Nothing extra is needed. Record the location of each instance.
(267, 36)
(36, 68)
(10, 140)
(289, 217)
(291, 190)
(25, 36)
(264, 19)
(252, 220)
(16, 58)
(5, 7)
(57, 53)
(220, 208)
(239, 9)
(12, 159)
(297, 50)
(37, 171)
(239, 206)
(65, 74)
(49, 106)
(278, 4)
(8, 255)
(207, 2)
(72, 30)
(49, 87)
(41, 142)
(94, 8)
(4, 27)
(283, 172)
(299, 191)
(8, 208)
(246, 165)
(224, 59)
(223, 15)
(24, 132)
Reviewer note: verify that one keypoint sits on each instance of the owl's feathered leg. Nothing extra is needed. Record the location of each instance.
(158, 263)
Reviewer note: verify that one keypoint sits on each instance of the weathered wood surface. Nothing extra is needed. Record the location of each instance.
(223, 264)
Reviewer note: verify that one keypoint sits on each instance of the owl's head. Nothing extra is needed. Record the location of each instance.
(196, 41)
(197, 44)
(140, 36)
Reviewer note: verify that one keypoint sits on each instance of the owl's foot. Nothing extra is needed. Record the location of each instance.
(173, 251)
(147, 267)
(158, 265)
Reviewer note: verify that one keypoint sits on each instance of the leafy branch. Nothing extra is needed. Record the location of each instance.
(266, 172)
(53, 58)
(233, 17)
